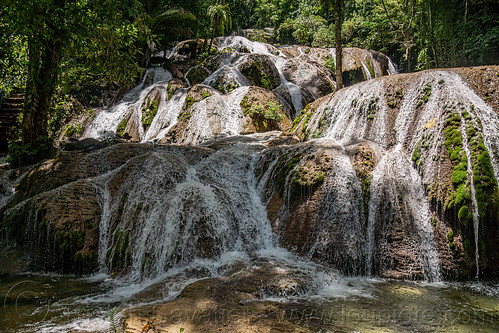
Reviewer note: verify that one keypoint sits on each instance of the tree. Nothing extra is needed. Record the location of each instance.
(100, 32)
(220, 19)
(337, 7)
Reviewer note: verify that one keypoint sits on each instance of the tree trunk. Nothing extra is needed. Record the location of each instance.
(408, 49)
(211, 41)
(44, 57)
(338, 8)
(205, 42)
(432, 39)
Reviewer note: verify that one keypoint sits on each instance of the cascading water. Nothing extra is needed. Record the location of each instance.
(167, 115)
(106, 121)
(293, 90)
(173, 215)
(179, 212)
(396, 181)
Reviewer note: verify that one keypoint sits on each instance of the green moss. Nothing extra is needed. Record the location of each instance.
(205, 94)
(459, 177)
(372, 107)
(119, 255)
(170, 91)
(463, 215)
(371, 68)
(416, 154)
(486, 187)
(149, 110)
(285, 166)
(265, 116)
(425, 95)
(450, 236)
(121, 127)
(321, 127)
(189, 101)
(71, 130)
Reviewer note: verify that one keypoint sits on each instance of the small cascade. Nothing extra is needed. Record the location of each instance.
(173, 212)
(340, 237)
(167, 115)
(106, 121)
(102, 189)
(293, 89)
(392, 68)
(241, 44)
(367, 73)
(227, 75)
(396, 182)
(8, 182)
(356, 113)
(217, 115)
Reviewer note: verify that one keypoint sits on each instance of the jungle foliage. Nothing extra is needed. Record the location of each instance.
(59, 50)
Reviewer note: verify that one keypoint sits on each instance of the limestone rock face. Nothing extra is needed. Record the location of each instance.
(427, 128)
(314, 81)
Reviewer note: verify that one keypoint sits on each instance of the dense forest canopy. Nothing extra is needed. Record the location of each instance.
(60, 52)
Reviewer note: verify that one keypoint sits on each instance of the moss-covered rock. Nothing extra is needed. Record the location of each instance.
(197, 74)
(59, 229)
(263, 112)
(260, 70)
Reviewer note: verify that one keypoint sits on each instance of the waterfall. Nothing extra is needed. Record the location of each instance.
(174, 211)
(167, 115)
(392, 69)
(397, 182)
(106, 121)
(228, 73)
(341, 226)
(293, 90)
(367, 73)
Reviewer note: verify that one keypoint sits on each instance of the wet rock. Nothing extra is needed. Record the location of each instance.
(226, 304)
(87, 144)
(260, 70)
(263, 112)
(197, 75)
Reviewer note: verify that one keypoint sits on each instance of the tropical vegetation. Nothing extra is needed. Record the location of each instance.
(58, 51)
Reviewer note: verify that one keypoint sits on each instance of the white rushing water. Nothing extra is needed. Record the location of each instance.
(167, 115)
(395, 180)
(106, 121)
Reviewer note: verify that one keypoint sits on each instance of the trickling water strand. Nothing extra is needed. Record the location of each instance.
(391, 67)
(367, 73)
(293, 89)
(102, 187)
(469, 172)
(341, 208)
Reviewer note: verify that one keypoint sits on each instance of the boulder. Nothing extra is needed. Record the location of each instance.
(260, 70)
